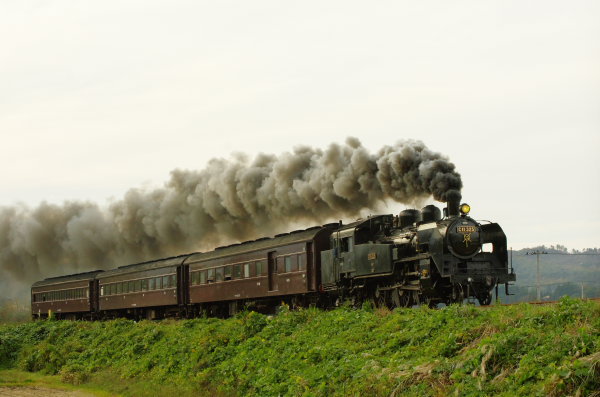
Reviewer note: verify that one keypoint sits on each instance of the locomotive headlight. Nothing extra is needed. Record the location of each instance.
(465, 208)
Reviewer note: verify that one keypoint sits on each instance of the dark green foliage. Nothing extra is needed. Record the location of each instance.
(513, 350)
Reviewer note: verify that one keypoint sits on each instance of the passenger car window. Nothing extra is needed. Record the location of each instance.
(203, 277)
(301, 262)
(237, 271)
(219, 274)
(165, 282)
(288, 264)
(145, 285)
(211, 275)
(172, 283)
(228, 270)
(246, 270)
(259, 268)
(152, 284)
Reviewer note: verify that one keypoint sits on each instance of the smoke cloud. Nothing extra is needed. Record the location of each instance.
(231, 199)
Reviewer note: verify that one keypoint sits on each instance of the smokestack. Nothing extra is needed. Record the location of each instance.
(229, 200)
(453, 202)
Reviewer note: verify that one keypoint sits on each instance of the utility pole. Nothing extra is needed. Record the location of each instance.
(537, 278)
(582, 290)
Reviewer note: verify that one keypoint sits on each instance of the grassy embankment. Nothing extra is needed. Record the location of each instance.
(506, 350)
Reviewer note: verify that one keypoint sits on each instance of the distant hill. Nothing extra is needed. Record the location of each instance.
(562, 272)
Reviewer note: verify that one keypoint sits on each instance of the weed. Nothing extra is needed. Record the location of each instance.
(509, 350)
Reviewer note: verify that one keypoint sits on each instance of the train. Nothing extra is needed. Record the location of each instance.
(418, 257)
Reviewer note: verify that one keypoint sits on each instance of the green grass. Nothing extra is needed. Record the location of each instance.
(506, 350)
(16, 378)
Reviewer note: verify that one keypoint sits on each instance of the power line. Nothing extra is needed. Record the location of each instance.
(561, 283)
(537, 253)
(562, 253)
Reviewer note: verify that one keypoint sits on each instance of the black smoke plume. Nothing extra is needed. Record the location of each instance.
(234, 199)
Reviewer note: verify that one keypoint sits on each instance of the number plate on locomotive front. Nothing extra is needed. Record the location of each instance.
(466, 229)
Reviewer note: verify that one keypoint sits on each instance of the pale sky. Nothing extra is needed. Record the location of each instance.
(99, 97)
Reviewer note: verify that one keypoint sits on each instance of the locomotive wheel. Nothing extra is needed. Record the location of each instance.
(380, 298)
(396, 298)
(405, 298)
(416, 298)
(430, 302)
(485, 300)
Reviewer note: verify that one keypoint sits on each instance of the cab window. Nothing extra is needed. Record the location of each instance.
(346, 244)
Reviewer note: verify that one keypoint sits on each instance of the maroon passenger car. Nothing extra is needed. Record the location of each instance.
(153, 289)
(70, 297)
(255, 273)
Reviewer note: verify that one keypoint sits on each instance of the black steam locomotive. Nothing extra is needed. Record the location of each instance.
(418, 257)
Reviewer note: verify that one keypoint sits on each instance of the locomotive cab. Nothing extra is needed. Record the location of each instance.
(358, 250)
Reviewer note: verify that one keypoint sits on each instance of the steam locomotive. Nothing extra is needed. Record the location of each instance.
(415, 258)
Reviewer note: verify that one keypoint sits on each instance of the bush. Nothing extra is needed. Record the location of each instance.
(515, 350)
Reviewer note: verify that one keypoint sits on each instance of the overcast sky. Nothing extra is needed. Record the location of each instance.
(99, 97)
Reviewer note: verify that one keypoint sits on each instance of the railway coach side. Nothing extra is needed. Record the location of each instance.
(259, 273)
(153, 289)
(68, 297)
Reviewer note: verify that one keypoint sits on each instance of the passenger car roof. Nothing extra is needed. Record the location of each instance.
(263, 243)
(70, 277)
(148, 265)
